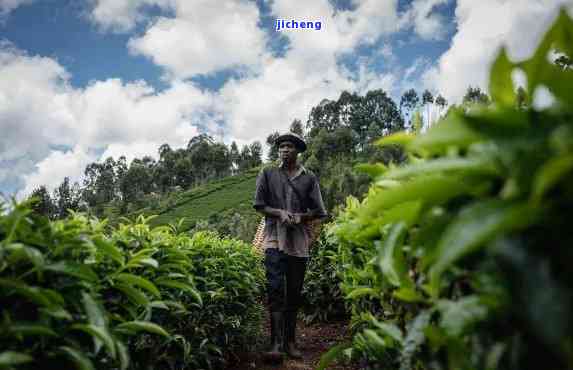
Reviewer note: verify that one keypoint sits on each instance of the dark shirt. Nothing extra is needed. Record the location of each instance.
(273, 190)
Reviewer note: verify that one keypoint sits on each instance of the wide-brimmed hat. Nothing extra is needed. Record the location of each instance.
(291, 136)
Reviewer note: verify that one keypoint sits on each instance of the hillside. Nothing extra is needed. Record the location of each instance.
(229, 195)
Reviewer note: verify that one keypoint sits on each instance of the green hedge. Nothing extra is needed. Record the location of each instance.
(462, 259)
(322, 297)
(73, 296)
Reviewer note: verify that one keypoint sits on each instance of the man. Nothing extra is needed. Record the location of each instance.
(288, 196)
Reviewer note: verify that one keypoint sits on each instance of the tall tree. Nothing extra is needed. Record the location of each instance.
(273, 150)
(441, 102)
(296, 127)
(408, 102)
(474, 95)
(234, 156)
(44, 205)
(256, 150)
(244, 158)
(427, 101)
(66, 197)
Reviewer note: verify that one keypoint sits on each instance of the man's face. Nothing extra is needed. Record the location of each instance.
(287, 151)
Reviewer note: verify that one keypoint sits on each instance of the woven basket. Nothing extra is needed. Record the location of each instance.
(313, 228)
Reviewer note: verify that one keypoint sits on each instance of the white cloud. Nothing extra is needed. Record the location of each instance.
(203, 37)
(122, 15)
(427, 24)
(7, 6)
(132, 119)
(483, 27)
(40, 111)
(54, 168)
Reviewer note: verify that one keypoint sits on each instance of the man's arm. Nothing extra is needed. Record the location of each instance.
(281, 214)
(317, 210)
(260, 203)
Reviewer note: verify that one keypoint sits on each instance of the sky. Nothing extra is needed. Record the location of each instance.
(82, 80)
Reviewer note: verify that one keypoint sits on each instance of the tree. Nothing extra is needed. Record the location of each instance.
(296, 127)
(379, 109)
(43, 205)
(427, 101)
(66, 197)
(256, 150)
(408, 102)
(273, 149)
(244, 158)
(441, 102)
(474, 95)
(234, 156)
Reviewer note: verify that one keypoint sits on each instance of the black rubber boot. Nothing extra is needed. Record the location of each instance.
(290, 334)
(274, 354)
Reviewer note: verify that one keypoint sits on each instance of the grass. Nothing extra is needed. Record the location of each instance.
(232, 193)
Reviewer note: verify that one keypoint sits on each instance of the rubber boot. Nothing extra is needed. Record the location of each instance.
(274, 354)
(290, 334)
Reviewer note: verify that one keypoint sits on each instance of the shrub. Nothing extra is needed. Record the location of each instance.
(462, 258)
(73, 295)
(322, 297)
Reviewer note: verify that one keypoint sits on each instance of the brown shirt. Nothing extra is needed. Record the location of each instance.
(273, 190)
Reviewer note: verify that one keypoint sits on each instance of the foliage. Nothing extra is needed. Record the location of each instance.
(74, 296)
(323, 299)
(461, 259)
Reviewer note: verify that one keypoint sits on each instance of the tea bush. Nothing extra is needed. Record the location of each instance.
(322, 297)
(461, 259)
(74, 296)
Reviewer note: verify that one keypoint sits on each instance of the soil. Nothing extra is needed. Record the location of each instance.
(313, 340)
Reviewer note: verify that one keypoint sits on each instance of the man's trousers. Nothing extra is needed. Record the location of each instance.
(285, 275)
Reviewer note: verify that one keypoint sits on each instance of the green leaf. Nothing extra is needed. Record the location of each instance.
(550, 174)
(390, 258)
(452, 131)
(414, 338)
(356, 293)
(181, 286)
(389, 330)
(371, 169)
(137, 326)
(30, 329)
(408, 294)
(21, 251)
(458, 316)
(138, 281)
(96, 315)
(109, 249)
(34, 294)
(465, 165)
(134, 295)
(500, 83)
(73, 269)
(10, 358)
(101, 333)
(475, 226)
(400, 138)
(374, 339)
(540, 71)
(123, 355)
(431, 190)
(79, 359)
(333, 354)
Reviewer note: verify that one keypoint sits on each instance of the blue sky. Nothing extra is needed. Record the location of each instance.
(81, 80)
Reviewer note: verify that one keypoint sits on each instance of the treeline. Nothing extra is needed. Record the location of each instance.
(203, 160)
(339, 134)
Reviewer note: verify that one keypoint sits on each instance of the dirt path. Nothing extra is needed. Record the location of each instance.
(313, 341)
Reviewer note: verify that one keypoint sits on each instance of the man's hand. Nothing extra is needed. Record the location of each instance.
(286, 217)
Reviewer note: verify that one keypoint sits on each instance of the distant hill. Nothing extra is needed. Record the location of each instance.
(212, 201)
